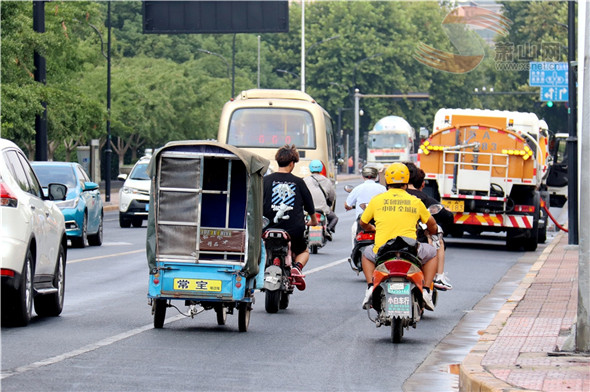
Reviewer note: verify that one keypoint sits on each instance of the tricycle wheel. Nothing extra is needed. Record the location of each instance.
(271, 303)
(244, 316)
(313, 249)
(159, 312)
(221, 314)
(284, 302)
(397, 330)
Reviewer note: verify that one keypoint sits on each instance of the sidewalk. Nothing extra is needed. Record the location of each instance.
(526, 346)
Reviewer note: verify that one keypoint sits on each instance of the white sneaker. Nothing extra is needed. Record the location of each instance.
(427, 296)
(441, 282)
(367, 301)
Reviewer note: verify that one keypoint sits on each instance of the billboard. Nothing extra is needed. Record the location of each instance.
(211, 17)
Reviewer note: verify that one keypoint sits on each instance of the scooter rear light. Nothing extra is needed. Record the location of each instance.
(7, 198)
(276, 261)
(364, 236)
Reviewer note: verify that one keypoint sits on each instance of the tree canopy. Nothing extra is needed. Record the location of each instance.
(167, 87)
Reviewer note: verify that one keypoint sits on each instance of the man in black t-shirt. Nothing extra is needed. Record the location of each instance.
(285, 198)
(444, 218)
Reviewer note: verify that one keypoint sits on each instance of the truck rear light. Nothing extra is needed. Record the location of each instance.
(7, 198)
(7, 272)
(523, 208)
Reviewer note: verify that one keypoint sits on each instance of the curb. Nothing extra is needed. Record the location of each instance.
(473, 376)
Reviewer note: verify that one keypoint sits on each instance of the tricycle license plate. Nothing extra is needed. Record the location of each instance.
(197, 284)
(454, 205)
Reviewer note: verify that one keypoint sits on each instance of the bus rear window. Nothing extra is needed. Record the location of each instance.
(271, 128)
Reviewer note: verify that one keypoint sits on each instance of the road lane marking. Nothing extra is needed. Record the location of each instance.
(116, 338)
(83, 350)
(106, 256)
(325, 266)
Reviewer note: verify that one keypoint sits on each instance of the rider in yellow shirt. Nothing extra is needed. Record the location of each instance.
(396, 213)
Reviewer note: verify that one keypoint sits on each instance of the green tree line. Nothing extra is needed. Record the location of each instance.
(166, 87)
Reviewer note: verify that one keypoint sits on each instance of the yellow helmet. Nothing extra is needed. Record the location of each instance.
(397, 173)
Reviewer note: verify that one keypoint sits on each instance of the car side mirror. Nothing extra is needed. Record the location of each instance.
(90, 186)
(122, 177)
(57, 192)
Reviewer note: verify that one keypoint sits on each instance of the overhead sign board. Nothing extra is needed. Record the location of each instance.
(554, 93)
(548, 74)
(210, 17)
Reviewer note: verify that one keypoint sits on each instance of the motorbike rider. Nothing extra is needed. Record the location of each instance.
(443, 218)
(363, 193)
(396, 213)
(285, 198)
(323, 194)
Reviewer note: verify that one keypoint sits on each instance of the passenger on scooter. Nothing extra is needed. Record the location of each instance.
(323, 193)
(443, 219)
(396, 213)
(362, 194)
(285, 198)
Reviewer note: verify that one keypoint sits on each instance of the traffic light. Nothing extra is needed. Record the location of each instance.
(549, 104)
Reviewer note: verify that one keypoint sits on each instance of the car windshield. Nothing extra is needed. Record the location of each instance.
(58, 174)
(139, 172)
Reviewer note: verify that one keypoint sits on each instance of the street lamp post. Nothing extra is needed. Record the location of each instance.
(287, 72)
(304, 55)
(108, 151)
(229, 76)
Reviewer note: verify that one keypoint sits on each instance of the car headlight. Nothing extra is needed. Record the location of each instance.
(130, 191)
(72, 203)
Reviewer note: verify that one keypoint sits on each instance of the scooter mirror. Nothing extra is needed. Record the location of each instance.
(348, 188)
(435, 209)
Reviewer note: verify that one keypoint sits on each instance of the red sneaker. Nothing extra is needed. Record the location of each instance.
(297, 278)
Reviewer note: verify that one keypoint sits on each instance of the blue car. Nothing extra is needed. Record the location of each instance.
(82, 209)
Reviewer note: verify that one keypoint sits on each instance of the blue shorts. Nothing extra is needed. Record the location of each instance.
(426, 252)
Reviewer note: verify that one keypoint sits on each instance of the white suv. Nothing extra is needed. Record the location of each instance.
(33, 241)
(134, 195)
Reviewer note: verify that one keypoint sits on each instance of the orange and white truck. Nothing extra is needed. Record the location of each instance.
(489, 168)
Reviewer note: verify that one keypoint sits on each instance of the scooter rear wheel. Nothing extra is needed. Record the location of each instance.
(397, 330)
(272, 300)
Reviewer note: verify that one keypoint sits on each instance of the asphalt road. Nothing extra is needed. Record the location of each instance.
(324, 341)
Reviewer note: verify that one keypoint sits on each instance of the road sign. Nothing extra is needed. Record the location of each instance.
(554, 93)
(548, 74)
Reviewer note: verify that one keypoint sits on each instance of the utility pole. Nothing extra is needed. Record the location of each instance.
(40, 76)
(572, 140)
(108, 150)
(582, 334)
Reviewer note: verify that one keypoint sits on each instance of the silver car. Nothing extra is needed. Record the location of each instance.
(33, 241)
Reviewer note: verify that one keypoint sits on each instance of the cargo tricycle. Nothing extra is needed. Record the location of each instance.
(204, 225)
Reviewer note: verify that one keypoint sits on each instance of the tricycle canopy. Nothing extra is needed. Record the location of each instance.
(205, 205)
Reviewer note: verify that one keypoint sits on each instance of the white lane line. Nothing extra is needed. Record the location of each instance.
(83, 350)
(325, 266)
(113, 339)
(106, 256)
